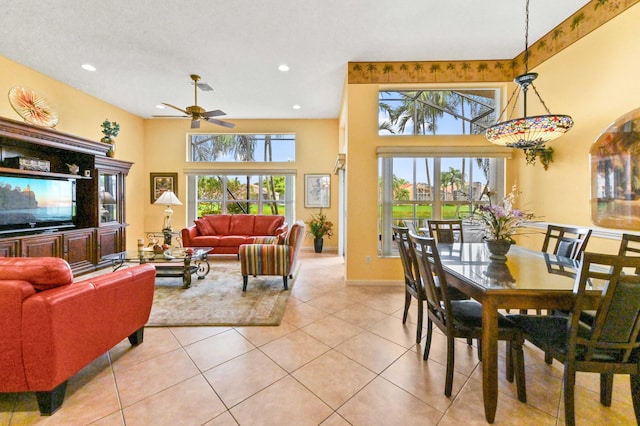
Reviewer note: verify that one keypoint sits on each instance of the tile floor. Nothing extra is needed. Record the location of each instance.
(340, 357)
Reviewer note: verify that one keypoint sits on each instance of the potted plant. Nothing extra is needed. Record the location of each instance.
(500, 223)
(319, 226)
(110, 130)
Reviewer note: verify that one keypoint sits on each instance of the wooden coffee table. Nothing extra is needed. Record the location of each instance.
(176, 262)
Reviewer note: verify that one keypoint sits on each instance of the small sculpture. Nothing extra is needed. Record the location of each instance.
(74, 169)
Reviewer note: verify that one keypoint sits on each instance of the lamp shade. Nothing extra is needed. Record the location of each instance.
(529, 132)
(168, 198)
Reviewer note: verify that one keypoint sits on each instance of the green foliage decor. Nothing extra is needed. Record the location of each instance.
(110, 129)
(319, 226)
(542, 153)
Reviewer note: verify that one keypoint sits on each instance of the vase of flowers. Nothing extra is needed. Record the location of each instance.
(319, 226)
(110, 130)
(500, 223)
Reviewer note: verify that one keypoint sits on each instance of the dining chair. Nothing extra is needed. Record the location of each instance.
(446, 231)
(461, 318)
(413, 284)
(608, 346)
(566, 241)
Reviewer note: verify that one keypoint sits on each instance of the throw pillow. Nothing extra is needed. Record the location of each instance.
(204, 227)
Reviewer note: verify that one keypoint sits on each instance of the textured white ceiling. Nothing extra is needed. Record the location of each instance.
(145, 50)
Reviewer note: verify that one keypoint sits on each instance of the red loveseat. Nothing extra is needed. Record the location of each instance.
(51, 327)
(227, 232)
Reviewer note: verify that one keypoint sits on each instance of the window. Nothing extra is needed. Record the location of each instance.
(420, 187)
(244, 192)
(436, 112)
(242, 147)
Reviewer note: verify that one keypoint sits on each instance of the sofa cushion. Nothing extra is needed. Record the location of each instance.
(204, 227)
(241, 224)
(219, 223)
(48, 272)
(267, 225)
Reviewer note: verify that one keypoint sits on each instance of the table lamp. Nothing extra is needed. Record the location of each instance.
(169, 199)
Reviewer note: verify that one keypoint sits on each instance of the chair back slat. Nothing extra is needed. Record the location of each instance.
(446, 231)
(614, 332)
(630, 246)
(432, 275)
(566, 241)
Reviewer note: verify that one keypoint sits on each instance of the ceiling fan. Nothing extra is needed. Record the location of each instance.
(196, 112)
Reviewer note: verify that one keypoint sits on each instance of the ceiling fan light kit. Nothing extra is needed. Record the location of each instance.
(196, 112)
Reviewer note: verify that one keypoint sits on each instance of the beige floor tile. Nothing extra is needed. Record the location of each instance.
(157, 341)
(114, 419)
(331, 330)
(263, 335)
(217, 349)
(331, 302)
(371, 351)
(468, 409)
(191, 402)
(189, 335)
(243, 376)
(383, 403)
(149, 377)
(424, 380)
(294, 350)
(224, 419)
(466, 357)
(360, 315)
(391, 328)
(335, 420)
(302, 314)
(286, 402)
(333, 377)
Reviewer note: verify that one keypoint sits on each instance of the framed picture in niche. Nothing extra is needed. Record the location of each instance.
(317, 190)
(161, 182)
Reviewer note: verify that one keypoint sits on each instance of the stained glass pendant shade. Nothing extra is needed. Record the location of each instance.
(528, 132)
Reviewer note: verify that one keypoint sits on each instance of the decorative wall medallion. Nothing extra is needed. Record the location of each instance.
(32, 107)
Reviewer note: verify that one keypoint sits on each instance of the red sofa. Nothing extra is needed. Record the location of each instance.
(227, 232)
(51, 327)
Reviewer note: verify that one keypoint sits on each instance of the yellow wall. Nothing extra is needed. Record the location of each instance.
(316, 150)
(595, 81)
(81, 114)
(159, 145)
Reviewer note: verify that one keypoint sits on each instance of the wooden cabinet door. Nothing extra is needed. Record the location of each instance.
(10, 248)
(79, 250)
(110, 240)
(43, 245)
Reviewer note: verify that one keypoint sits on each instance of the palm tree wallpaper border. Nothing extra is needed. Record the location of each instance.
(588, 18)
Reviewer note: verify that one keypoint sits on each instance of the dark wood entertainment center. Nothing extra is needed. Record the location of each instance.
(99, 222)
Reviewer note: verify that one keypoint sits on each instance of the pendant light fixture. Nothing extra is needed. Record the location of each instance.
(527, 132)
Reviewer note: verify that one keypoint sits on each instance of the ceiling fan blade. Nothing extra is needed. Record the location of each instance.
(195, 124)
(175, 107)
(170, 116)
(221, 123)
(204, 87)
(215, 113)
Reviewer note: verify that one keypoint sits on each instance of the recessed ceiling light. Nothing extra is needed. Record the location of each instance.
(296, 106)
(160, 106)
(284, 67)
(88, 67)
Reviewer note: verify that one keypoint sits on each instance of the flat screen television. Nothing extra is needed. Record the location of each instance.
(34, 203)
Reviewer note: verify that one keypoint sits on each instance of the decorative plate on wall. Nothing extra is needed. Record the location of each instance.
(32, 107)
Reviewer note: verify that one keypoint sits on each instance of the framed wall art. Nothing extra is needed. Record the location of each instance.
(317, 190)
(161, 182)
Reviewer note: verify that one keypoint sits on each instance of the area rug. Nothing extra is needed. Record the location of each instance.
(218, 299)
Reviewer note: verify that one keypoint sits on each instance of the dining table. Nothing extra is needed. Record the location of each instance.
(527, 280)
